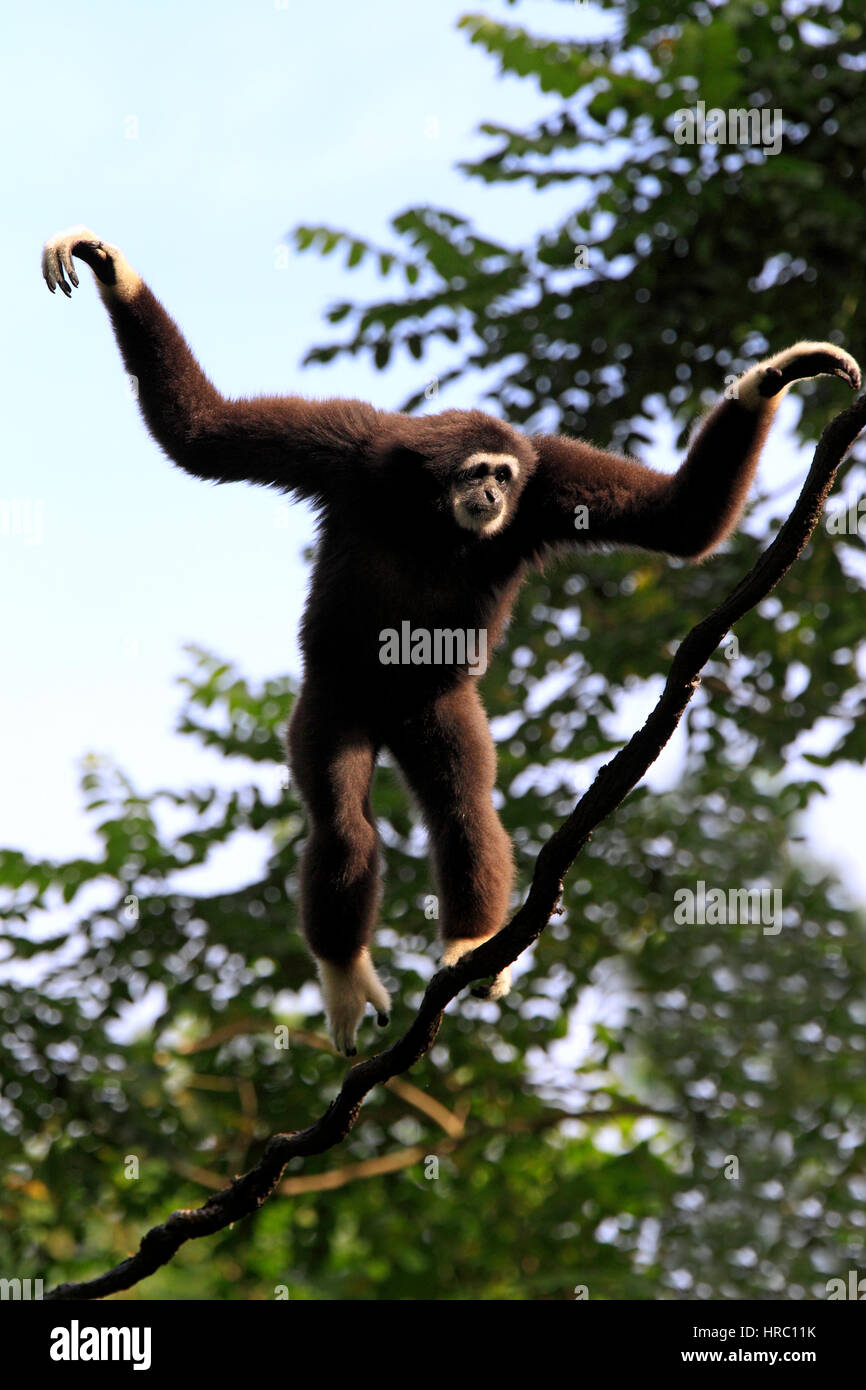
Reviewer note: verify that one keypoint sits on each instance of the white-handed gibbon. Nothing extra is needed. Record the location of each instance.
(433, 522)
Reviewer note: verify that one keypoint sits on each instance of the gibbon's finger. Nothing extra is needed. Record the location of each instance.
(851, 374)
(826, 364)
(819, 363)
(61, 278)
(64, 260)
(50, 270)
(65, 253)
(57, 274)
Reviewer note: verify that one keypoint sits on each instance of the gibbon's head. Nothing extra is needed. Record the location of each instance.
(482, 491)
(471, 466)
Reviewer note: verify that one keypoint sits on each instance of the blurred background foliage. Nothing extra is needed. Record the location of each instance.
(657, 1111)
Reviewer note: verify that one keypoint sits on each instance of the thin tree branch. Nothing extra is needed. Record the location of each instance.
(611, 785)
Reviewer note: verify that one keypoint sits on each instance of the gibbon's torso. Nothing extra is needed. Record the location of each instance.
(364, 587)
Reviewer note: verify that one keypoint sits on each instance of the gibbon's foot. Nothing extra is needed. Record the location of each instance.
(107, 262)
(771, 377)
(346, 990)
(499, 986)
(455, 949)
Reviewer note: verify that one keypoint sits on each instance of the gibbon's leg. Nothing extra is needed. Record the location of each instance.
(332, 765)
(448, 758)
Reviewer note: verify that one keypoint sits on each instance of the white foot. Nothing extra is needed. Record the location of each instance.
(460, 946)
(346, 990)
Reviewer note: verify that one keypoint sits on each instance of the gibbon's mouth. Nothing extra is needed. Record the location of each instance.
(484, 521)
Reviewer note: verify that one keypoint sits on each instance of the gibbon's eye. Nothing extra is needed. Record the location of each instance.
(503, 475)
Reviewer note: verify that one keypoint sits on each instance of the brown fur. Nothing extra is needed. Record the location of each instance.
(390, 550)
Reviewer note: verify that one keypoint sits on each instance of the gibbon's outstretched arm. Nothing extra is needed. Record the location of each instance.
(308, 447)
(583, 494)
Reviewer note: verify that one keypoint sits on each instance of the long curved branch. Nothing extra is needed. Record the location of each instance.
(611, 785)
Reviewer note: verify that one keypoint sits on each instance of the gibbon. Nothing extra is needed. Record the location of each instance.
(427, 526)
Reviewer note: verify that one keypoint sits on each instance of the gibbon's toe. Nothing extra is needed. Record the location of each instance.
(375, 992)
(344, 1030)
(499, 986)
(456, 949)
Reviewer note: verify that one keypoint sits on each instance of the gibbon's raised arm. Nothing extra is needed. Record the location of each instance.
(687, 513)
(286, 442)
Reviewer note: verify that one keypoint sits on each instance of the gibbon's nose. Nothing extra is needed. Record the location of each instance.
(490, 495)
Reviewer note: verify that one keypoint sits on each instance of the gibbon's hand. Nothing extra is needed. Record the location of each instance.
(807, 360)
(57, 256)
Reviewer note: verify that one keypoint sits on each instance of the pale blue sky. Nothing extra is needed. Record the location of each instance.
(250, 118)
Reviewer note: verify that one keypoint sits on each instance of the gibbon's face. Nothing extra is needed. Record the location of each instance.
(483, 491)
